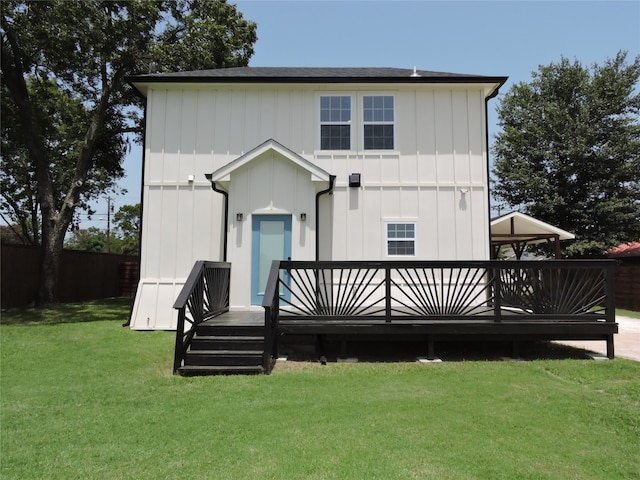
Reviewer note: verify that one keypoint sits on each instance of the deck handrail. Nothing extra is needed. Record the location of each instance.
(491, 290)
(204, 295)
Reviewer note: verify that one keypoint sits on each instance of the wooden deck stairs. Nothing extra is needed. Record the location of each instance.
(225, 349)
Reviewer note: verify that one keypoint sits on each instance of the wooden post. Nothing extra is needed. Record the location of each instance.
(431, 353)
(178, 352)
(610, 349)
(497, 287)
(387, 293)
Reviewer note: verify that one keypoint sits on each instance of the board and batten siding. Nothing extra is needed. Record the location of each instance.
(436, 177)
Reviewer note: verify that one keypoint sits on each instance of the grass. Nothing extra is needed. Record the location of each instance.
(86, 398)
(628, 313)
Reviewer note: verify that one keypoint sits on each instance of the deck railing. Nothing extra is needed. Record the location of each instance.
(556, 290)
(204, 295)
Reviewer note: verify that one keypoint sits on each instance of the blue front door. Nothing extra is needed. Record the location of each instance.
(270, 240)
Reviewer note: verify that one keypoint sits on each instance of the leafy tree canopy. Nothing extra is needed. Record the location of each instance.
(67, 110)
(128, 223)
(123, 238)
(569, 152)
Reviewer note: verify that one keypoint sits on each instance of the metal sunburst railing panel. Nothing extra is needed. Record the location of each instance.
(433, 291)
(554, 290)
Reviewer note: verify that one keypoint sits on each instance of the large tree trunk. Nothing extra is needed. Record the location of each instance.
(47, 293)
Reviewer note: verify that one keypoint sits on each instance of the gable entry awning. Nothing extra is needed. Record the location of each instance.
(518, 230)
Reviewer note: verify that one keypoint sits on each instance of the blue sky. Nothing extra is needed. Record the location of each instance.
(510, 38)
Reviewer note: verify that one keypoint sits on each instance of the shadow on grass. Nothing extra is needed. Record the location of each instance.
(107, 309)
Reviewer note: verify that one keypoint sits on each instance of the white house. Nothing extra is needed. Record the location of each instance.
(253, 164)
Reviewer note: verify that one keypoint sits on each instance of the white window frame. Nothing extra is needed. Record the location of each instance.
(365, 123)
(351, 122)
(387, 239)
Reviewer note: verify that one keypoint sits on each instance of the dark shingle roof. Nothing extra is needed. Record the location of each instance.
(313, 75)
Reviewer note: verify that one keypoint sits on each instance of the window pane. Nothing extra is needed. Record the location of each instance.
(396, 247)
(335, 137)
(378, 137)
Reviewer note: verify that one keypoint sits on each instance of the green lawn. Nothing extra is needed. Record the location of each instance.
(82, 397)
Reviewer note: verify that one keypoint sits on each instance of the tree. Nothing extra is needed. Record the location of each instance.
(569, 152)
(64, 90)
(127, 222)
(91, 239)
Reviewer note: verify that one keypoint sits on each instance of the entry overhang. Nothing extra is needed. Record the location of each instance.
(223, 175)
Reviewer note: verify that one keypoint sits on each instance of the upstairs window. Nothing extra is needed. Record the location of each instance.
(335, 123)
(378, 120)
(401, 239)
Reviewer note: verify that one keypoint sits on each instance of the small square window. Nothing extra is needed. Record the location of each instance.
(401, 239)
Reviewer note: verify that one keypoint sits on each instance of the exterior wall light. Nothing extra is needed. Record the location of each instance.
(354, 180)
(239, 217)
(303, 217)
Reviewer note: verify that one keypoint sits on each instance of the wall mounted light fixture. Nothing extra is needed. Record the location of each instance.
(464, 191)
(303, 217)
(354, 180)
(239, 217)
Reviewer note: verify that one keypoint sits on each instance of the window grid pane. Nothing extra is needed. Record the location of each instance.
(378, 137)
(335, 137)
(401, 248)
(335, 109)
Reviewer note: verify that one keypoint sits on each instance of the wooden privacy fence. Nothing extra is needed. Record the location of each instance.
(83, 275)
(628, 286)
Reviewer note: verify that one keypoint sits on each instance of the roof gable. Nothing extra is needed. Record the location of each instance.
(223, 174)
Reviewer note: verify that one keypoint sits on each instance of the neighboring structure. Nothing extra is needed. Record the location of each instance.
(253, 164)
(517, 230)
(627, 275)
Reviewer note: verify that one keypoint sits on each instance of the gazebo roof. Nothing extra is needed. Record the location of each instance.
(518, 230)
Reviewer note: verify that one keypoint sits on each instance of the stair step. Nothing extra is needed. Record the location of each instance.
(223, 357)
(230, 330)
(227, 342)
(220, 369)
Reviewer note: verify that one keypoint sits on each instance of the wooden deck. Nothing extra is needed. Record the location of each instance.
(428, 302)
(429, 331)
